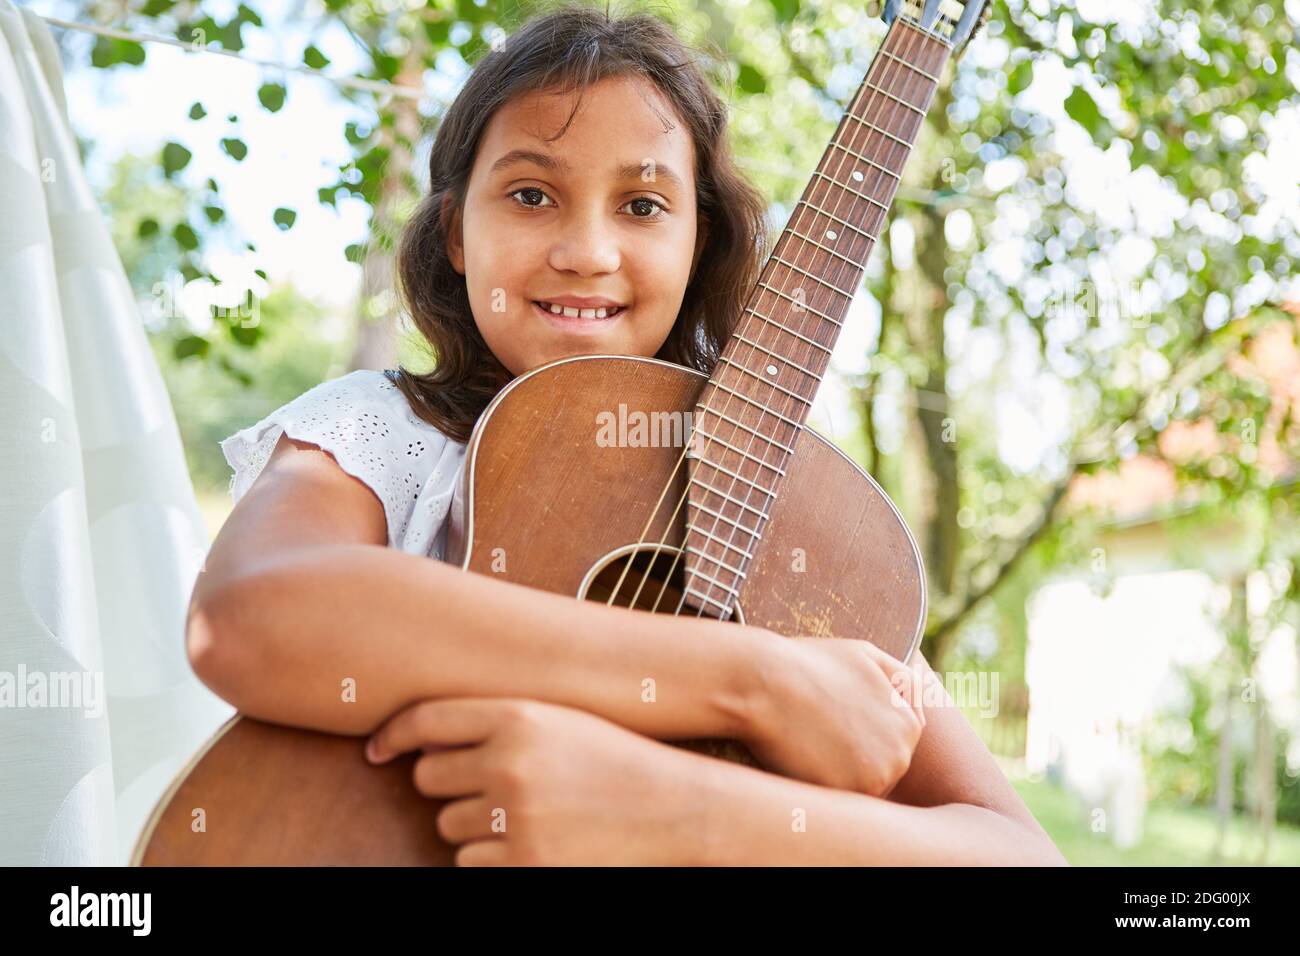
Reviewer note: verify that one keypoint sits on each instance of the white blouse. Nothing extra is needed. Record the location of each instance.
(365, 422)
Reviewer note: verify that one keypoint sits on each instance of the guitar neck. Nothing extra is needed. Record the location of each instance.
(762, 388)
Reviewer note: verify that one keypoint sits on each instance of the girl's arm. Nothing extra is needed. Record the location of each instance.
(954, 806)
(300, 599)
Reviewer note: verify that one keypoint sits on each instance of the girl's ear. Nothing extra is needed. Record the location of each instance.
(451, 225)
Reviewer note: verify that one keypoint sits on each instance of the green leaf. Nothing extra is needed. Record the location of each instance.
(355, 252)
(214, 213)
(175, 157)
(750, 80)
(247, 337)
(185, 236)
(1020, 77)
(190, 345)
(234, 148)
(785, 9)
(197, 112)
(271, 96)
(1083, 110)
(109, 51)
(147, 228)
(284, 218)
(314, 58)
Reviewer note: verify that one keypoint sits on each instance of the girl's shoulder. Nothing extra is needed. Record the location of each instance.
(365, 422)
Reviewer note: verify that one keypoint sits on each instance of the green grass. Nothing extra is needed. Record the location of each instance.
(1171, 835)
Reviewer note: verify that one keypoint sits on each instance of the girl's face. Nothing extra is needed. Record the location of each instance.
(604, 216)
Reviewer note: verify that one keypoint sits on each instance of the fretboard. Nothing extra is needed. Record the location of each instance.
(763, 386)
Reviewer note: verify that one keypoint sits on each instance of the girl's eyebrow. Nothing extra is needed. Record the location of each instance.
(624, 172)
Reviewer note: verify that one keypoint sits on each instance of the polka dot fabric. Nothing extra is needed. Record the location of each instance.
(364, 421)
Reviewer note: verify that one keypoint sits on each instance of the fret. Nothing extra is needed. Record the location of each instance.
(689, 549)
(696, 572)
(739, 477)
(843, 222)
(827, 249)
(818, 280)
(758, 434)
(776, 355)
(756, 403)
(735, 501)
(897, 99)
(870, 162)
(847, 188)
(911, 66)
(704, 597)
(766, 381)
(802, 305)
(901, 142)
(722, 517)
(738, 451)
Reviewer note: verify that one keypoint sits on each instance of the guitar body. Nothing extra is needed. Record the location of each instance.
(549, 505)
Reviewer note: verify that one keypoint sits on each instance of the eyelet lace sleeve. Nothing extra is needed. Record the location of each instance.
(364, 421)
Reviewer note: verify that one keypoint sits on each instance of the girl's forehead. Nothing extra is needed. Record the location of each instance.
(617, 116)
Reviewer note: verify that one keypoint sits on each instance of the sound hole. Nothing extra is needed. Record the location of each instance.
(644, 581)
(653, 568)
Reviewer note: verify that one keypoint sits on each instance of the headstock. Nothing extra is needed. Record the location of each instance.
(952, 21)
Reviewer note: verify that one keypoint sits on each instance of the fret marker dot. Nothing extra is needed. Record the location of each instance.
(857, 174)
(771, 370)
(830, 233)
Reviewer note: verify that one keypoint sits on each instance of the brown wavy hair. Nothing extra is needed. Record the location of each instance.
(568, 49)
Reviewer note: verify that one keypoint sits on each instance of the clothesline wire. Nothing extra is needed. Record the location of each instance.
(411, 92)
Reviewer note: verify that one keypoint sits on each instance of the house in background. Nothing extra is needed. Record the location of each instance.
(1105, 644)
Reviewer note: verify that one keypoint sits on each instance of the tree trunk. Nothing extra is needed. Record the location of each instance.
(376, 341)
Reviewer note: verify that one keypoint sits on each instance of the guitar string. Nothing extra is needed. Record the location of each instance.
(867, 91)
(916, 45)
(893, 107)
(851, 113)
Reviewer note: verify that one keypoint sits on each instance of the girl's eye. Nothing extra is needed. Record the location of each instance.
(645, 200)
(529, 189)
(652, 202)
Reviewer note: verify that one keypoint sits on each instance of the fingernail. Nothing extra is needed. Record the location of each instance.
(372, 750)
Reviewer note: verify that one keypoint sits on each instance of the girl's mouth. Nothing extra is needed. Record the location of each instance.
(579, 319)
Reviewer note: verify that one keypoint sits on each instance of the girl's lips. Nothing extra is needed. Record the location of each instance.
(577, 323)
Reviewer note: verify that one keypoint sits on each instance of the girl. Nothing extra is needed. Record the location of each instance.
(582, 201)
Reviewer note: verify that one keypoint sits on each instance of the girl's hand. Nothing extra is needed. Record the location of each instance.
(840, 713)
(541, 784)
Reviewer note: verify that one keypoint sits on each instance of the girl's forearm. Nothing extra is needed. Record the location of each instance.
(286, 643)
(753, 818)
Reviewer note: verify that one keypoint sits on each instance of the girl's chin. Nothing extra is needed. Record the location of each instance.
(576, 325)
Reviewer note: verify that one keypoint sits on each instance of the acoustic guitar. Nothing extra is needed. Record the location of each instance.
(642, 484)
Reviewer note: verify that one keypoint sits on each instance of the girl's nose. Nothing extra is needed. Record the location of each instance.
(587, 245)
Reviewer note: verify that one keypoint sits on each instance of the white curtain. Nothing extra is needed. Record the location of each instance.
(100, 535)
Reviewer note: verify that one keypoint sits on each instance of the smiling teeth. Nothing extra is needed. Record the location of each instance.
(573, 313)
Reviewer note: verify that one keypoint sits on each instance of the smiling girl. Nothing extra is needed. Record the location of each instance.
(582, 201)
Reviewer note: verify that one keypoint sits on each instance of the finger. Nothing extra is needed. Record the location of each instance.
(483, 853)
(450, 773)
(446, 722)
(887, 661)
(472, 819)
